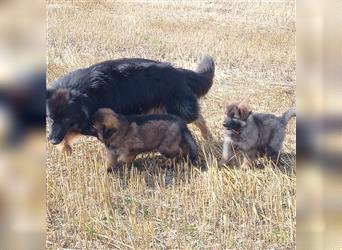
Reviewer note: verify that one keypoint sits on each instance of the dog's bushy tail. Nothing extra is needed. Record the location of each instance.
(204, 76)
(287, 116)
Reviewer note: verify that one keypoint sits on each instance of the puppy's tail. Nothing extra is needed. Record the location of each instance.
(204, 76)
(287, 116)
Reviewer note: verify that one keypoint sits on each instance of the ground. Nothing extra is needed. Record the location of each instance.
(159, 204)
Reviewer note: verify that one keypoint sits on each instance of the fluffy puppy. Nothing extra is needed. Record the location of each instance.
(252, 133)
(130, 86)
(127, 136)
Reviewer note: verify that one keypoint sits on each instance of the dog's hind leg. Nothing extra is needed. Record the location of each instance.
(189, 147)
(272, 154)
(170, 147)
(69, 139)
(202, 125)
(274, 146)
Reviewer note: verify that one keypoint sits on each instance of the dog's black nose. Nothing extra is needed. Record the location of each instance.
(55, 141)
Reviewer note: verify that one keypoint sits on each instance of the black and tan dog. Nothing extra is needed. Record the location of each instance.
(252, 133)
(128, 86)
(127, 136)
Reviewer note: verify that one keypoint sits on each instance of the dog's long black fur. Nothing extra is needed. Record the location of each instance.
(128, 86)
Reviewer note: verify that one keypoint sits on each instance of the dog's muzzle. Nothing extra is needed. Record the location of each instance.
(54, 140)
(232, 128)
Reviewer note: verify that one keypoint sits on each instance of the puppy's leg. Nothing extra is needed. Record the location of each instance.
(246, 162)
(227, 152)
(69, 139)
(189, 146)
(112, 161)
(274, 146)
(248, 159)
(117, 160)
(126, 158)
(170, 147)
(272, 154)
(202, 125)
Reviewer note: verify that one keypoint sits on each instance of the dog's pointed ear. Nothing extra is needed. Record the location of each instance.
(244, 110)
(229, 106)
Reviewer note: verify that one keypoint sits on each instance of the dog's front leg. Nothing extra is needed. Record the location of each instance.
(248, 159)
(113, 163)
(126, 158)
(227, 152)
(69, 139)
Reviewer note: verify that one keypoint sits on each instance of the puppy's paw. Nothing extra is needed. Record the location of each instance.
(246, 165)
(222, 162)
(65, 149)
(112, 169)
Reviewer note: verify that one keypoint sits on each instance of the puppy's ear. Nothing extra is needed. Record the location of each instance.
(106, 122)
(232, 109)
(107, 132)
(229, 107)
(244, 110)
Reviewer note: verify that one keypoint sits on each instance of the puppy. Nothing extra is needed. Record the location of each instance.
(252, 133)
(127, 136)
(130, 86)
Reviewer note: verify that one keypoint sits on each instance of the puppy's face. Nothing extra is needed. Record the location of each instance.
(236, 116)
(64, 111)
(106, 123)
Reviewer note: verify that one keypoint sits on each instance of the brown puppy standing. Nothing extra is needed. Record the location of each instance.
(127, 136)
(253, 133)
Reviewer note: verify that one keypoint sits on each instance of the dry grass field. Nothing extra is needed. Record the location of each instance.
(160, 204)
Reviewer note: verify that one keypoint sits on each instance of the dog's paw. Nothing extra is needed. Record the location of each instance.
(222, 162)
(112, 169)
(65, 149)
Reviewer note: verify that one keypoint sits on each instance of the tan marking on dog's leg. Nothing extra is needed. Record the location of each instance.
(202, 125)
(69, 139)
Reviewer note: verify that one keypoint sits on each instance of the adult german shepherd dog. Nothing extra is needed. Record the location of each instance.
(128, 86)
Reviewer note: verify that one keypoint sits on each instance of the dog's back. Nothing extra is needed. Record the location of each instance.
(135, 86)
(272, 129)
